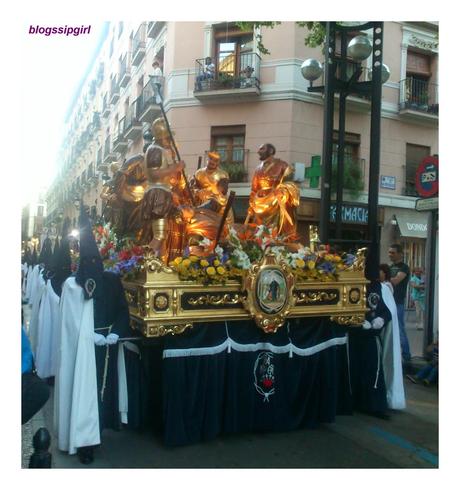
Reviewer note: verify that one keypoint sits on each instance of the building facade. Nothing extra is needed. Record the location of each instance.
(247, 100)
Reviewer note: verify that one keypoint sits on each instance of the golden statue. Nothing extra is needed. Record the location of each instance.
(272, 201)
(210, 185)
(123, 194)
(166, 191)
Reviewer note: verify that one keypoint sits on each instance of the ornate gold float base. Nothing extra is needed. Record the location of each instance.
(161, 304)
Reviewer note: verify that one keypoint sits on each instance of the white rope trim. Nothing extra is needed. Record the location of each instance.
(277, 349)
(378, 362)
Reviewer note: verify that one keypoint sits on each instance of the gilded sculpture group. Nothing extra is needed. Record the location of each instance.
(150, 199)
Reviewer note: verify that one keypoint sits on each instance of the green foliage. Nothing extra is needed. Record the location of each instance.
(315, 36)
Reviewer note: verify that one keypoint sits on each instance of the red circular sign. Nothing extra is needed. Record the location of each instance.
(427, 177)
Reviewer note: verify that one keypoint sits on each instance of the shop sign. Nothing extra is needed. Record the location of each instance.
(350, 214)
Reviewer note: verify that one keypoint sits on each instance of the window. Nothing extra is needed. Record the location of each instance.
(229, 141)
(414, 155)
(233, 50)
(40, 211)
(418, 74)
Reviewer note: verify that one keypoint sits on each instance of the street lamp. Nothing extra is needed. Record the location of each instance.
(342, 71)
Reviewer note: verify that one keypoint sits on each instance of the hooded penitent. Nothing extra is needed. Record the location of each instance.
(61, 262)
(46, 257)
(90, 268)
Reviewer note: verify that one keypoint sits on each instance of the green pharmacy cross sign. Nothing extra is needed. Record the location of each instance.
(314, 171)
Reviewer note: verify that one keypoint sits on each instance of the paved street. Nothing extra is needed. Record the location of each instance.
(408, 440)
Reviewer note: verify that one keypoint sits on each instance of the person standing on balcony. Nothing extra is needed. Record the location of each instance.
(273, 201)
(399, 279)
(208, 72)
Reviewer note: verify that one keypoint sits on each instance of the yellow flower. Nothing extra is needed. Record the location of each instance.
(204, 263)
(221, 270)
(216, 262)
(186, 262)
(177, 260)
(194, 258)
(211, 271)
(300, 263)
(311, 264)
(329, 257)
(337, 258)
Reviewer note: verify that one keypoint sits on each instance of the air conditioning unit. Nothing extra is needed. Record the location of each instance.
(299, 172)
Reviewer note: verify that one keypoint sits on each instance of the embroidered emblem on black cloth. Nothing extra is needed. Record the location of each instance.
(264, 375)
(90, 286)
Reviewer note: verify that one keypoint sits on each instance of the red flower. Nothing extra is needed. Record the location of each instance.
(124, 255)
(137, 250)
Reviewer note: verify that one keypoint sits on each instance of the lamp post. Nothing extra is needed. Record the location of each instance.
(338, 80)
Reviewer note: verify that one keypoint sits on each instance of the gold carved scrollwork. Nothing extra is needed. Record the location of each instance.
(152, 263)
(217, 299)
(162, 330)
(269, 319)
(313, 297)
(351, 320)
(360, 261)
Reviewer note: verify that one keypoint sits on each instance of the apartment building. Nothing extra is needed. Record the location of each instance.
(251, 99)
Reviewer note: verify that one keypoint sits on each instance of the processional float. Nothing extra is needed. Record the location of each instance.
(184, 261)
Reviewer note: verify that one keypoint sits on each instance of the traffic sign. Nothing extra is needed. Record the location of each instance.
(427, 177)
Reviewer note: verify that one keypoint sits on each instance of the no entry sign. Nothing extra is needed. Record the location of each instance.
(427, 177)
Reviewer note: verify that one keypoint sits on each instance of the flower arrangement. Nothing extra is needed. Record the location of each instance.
(119, 256)
(244, 248)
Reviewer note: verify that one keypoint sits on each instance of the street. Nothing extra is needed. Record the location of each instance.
(408, 440)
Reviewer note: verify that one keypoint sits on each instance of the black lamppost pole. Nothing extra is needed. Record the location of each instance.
(336, 80)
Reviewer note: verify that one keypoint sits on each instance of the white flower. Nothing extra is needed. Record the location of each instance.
(219, 252)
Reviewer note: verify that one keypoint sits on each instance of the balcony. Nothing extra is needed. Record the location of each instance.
(125, 72)
(235, 76)
(149, 109)
(109, 155)
(120, 143)
(100, 166)
(418, 100)
(114, 91)
(133, 124)
(105, 107)
(139, 45)
(234, 162)
(154, 28)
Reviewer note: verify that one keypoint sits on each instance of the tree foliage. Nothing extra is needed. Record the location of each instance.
(315, 32)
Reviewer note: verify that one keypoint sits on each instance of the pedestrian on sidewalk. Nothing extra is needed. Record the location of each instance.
(428, 374)
(400, 273)
(417, 283)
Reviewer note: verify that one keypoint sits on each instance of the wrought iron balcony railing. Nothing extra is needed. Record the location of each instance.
(125, 71)
(139, 45)
(231, 72)
(419, 95)
(133, 124)
(234, 162)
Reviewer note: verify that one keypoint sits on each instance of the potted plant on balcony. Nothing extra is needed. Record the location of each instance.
(423, 101)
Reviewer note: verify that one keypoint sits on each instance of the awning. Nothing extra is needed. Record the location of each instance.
(412, 223)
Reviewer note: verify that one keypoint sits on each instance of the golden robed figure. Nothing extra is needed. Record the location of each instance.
(122, 196)
(273, 201)
(165, 192)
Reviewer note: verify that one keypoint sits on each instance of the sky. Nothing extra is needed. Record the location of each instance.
(58, 64)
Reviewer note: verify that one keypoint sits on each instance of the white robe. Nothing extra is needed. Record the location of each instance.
(30, 280)
(76, 407)
(34, 312)
(391, 359)
(47, 329)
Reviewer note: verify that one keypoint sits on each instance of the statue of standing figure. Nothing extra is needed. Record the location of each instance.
(273, 201)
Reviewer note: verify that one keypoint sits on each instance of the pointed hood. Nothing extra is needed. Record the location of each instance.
(90, 267)
(46, 256)
(62, 266)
